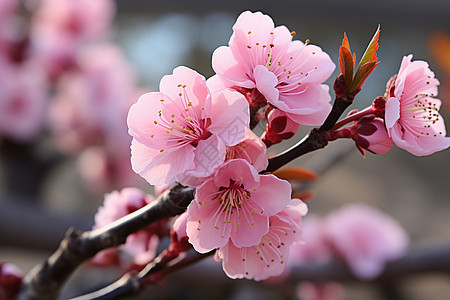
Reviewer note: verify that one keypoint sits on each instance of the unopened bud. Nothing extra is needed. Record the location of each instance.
(371, 135)
(178, 235)
(279, 127)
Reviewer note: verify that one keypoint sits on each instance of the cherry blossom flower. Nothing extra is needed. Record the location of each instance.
(140, 247)
(22, 100)
(412, 118)
(268, 257)
(235, 204)
(183, 130)
(289, 74)
(366, 238)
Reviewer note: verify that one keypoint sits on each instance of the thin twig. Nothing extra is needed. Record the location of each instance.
(46, 280)
(133, 283)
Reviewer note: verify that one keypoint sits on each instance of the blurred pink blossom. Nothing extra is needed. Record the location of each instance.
(235, 205)
(91, 103)
(106, 168)
(23, 100)
(268, 257)
(366, 238)
(183, 130)
(412, 117)
(60, 27)
(289, 74)
(140, 247)
(320, 291)
(314, 246)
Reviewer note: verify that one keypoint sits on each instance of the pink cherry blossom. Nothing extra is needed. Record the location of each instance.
(140, 247)
(91, 104)
(23, 95)
(366, 238)
(183, 130)
(412, 117)
(268, 257)
(235, 204)
(289, 74)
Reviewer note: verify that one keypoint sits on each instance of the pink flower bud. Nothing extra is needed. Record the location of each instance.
(178, 235)
(10, 281)
(279, 127)
(372, 135)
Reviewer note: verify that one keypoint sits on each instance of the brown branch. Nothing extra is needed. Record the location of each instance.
(133, 283)
(46, 280)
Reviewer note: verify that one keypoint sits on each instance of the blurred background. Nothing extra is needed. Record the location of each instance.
(66, 86)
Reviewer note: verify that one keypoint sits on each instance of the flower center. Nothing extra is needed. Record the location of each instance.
(184, 125)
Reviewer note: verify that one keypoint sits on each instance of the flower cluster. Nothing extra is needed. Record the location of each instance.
(198, 132)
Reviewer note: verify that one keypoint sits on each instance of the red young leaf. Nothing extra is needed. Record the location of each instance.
(362, 73)
(371, 52)
(346, 61)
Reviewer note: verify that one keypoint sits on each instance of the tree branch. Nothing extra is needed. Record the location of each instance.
(133, 283)
(45, 280)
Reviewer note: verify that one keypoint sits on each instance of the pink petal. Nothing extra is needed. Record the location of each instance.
(230, 126)
(226, 66)
(190, 84)
(266, 82)
(160, 168)
(392, 112)
(141, 121)
(252, 149)
(238, 170)
(205, 235)
(315, 118)
(250, 228)
(271, 188)
(209, 154)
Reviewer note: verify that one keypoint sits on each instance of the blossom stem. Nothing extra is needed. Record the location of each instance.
(354, 117)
